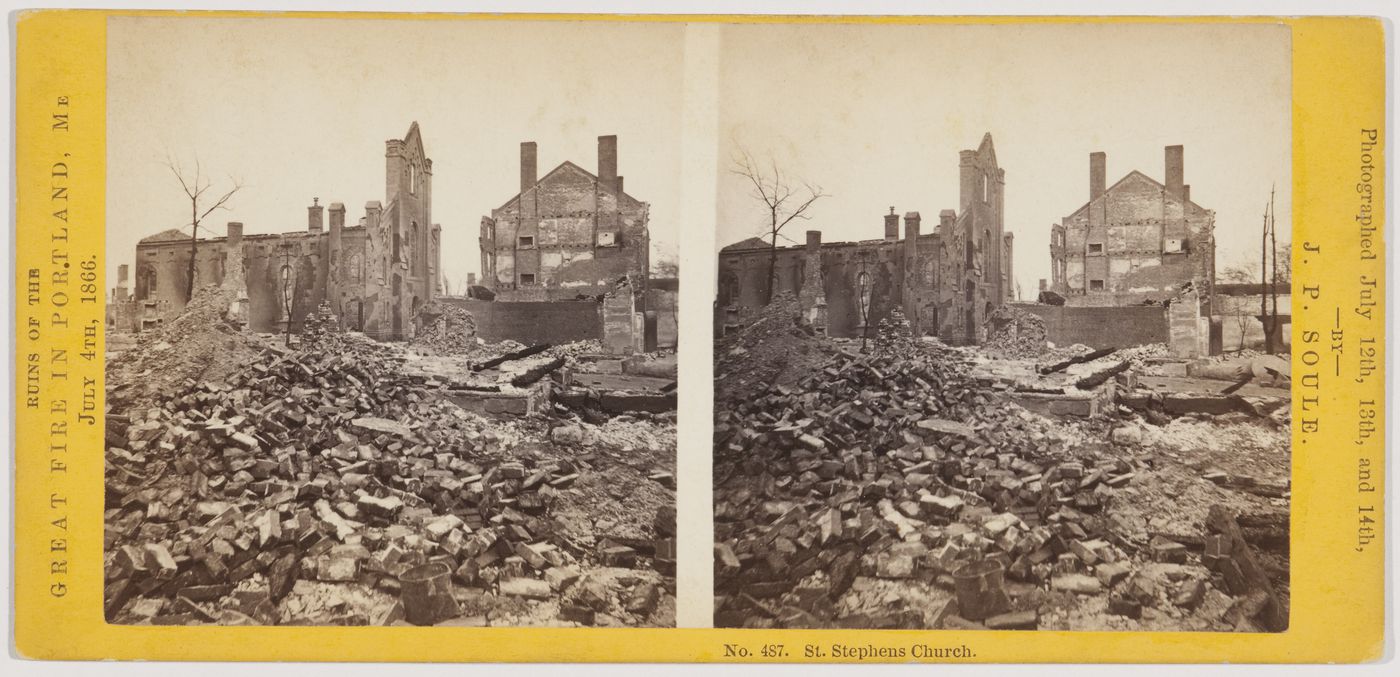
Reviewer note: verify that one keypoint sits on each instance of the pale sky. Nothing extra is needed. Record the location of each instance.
(876, 116)
(301, 108)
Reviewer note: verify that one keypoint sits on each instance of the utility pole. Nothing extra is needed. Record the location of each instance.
(1263, 282)
(1273, 279)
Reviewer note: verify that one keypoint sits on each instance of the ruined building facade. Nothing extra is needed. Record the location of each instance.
(1137, 241)
(375, 275)
(567, 234)
(946, 282)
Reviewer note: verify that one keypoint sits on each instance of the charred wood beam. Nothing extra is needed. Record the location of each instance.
(537, 373)
(1090, 357)
(1100, 377)
(517, 355)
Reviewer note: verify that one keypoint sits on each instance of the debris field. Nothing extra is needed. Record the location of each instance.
(335, 482)
(918, 485)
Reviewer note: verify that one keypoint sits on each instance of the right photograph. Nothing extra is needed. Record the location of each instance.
(1002, 327)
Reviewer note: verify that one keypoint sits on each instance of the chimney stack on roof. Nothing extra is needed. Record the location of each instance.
(1175, 169)
(607, 160)
(911, 226)
(337, 212)
(1098, 174)
(529, 167)
(313, 215)
(891, 225)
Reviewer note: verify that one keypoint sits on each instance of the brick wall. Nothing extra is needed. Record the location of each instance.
(1102, 327)
(534, 322)
(570, 231)
(1140, 240)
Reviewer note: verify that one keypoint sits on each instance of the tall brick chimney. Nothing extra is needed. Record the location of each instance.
(910, 289)
(337, 216)
(121, 275)
(1175, 169)
(335, 256)
(891, 226)
(529, 165)
(1098, 174)
(946, 219)
(313, 215)
(607, 160)
(911, 226)
(235, 233)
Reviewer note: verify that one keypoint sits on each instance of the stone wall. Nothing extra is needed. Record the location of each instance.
(531, 322)
(1102, 327)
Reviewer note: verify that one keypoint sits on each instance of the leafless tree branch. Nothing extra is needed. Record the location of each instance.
(194, 189)
(776, 193)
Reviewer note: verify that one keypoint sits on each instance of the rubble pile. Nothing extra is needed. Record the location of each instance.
(1014, 334)
(1146, 359)
(446, 329)
(573, 350)
(896, 469)
(894, 333)
(773, 347)
(320, 331)
(203, 343)
(327, 487)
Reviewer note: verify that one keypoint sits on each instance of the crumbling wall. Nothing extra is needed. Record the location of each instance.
(383, 270)
(1184, 318)
(1136, 241)
(744, 282)
(571, 231)
(945, 282)
(1102, 327)
(532, 322)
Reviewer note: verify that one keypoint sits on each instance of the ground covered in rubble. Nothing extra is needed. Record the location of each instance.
(905, 487)
(250, 482)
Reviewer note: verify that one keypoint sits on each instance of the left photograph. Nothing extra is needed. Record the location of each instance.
(389, 339)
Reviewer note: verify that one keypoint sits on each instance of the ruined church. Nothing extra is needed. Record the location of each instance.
(946, 283)
(375, 275)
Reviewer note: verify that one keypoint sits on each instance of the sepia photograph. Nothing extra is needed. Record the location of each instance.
(1058, 401)
(389, 339)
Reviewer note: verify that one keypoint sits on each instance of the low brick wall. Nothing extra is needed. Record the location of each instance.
(532, 322)
(1102, 327)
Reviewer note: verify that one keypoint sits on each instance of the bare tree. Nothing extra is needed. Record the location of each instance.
(1236, 307)
(1268, 278)
(783, 203)
(195, 188)
(1284, 262)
